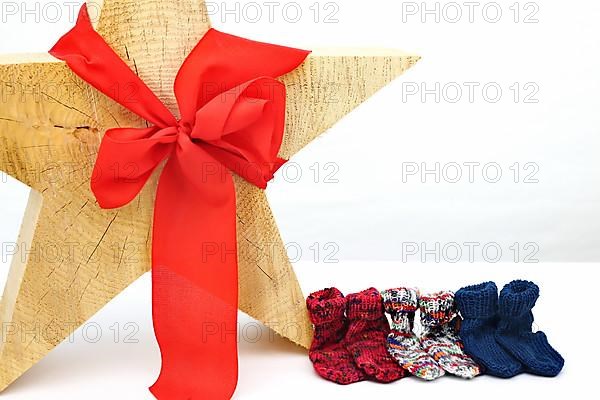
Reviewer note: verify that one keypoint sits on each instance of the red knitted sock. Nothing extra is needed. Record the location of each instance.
(367, 336)
(329, 357)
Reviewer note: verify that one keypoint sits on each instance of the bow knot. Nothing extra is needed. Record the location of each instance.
(183, 128)
(240, 130)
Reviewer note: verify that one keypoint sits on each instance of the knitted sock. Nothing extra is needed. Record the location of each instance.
(329, 357)
(514, 330)
(403, 344)
(478, 305)
(366, 337)
(439, 340)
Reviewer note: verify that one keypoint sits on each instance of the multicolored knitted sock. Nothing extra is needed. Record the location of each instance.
(439, 339)
(478, 306)
(366, 336)
(514, 330)
(329, 357)
(403, 344)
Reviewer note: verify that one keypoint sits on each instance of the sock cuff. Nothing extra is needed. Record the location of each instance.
(437, 309)
(518, 298)
(326, 305)
(478, 301)
(400, 300)
(365, 305)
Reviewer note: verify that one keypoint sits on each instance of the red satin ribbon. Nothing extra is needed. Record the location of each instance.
(232, 119)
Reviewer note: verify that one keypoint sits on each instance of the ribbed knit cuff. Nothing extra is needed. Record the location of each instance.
(401, 300)
(326, 305)
(518, 298)
(437, 309)
(365, 305)
(478, 301)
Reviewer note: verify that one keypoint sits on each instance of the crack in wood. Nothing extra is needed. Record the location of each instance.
(84, 290)
(39, 146)
(63, 207)
(264, 272)
(254, 245)
(102, 238)
(82, 207)
(67, 106)
(136, 68)
(122, 252)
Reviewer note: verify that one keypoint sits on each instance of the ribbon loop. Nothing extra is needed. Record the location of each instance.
(243, 127)
(88, 55)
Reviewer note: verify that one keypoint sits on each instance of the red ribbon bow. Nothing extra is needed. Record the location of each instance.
(232, 119)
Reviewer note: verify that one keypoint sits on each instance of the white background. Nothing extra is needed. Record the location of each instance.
(355, 229)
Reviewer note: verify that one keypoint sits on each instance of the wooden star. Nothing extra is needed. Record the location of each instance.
(75, 257)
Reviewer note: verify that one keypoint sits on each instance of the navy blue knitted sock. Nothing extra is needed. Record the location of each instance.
(478, 305)
(514, 330)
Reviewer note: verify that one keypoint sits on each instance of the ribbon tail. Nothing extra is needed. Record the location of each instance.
(195, 282)
(197, 337)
